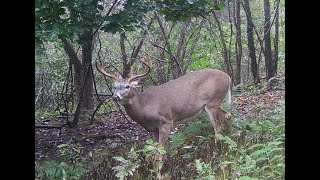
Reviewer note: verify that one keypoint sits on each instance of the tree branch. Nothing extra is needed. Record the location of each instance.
(71, 53)
(48, 127)
(137, 49)
(167, 43)
(123, 55)
(108, 13)
(224, 52)
(166, 50)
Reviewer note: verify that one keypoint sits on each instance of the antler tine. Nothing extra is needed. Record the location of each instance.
(144, 74)
(118, 70)
(102, 71)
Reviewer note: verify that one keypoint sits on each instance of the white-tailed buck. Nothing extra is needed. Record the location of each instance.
(159, 108)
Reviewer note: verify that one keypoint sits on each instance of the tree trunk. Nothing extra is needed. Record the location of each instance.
(252, 50)
(75, 61)
(230, 42)
(125, 64)
(267, 41)
(276, 40)
(238, 42)
(160, 63)
(83, 78)
(180, 49)
(224, 46)
(88, 102)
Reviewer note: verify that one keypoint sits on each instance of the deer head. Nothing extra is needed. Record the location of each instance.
(123, 86)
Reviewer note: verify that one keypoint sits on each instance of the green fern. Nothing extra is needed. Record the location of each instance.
(199, 127)
(204, 170)
(53, 170)
(128, 166)
(125, 168)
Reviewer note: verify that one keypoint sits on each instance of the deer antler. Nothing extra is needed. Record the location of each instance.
(102, 71)
(118, 70)
(144, 74)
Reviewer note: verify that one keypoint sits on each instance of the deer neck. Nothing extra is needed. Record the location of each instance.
(132, 104)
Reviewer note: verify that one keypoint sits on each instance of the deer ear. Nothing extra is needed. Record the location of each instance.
(134, 83)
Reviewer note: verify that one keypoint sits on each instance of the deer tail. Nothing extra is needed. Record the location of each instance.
(228, 95)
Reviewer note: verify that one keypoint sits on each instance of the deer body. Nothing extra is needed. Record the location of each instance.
(177, 101)
(159, 108)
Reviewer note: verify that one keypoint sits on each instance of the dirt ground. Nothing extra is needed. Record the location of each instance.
(112, 127)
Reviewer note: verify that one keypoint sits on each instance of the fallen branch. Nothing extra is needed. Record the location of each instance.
(48, 127)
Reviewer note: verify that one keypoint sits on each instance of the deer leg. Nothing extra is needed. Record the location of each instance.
(164, 133)
(156, 136)
(220, 119)
(225, 120)
(212, 113)
(161, 137)
(226, 117)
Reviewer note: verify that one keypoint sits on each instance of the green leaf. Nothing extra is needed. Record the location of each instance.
(63, 145)
(199, 166)
(221, 6)
(121, 159)
(247, 178)
(149, 141)
(225, 163)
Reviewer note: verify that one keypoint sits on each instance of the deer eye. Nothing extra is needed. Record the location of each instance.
(127, 86)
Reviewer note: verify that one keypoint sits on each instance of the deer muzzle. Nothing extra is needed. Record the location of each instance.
(115, 97)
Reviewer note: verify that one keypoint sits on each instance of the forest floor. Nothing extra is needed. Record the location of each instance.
(111, 128)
